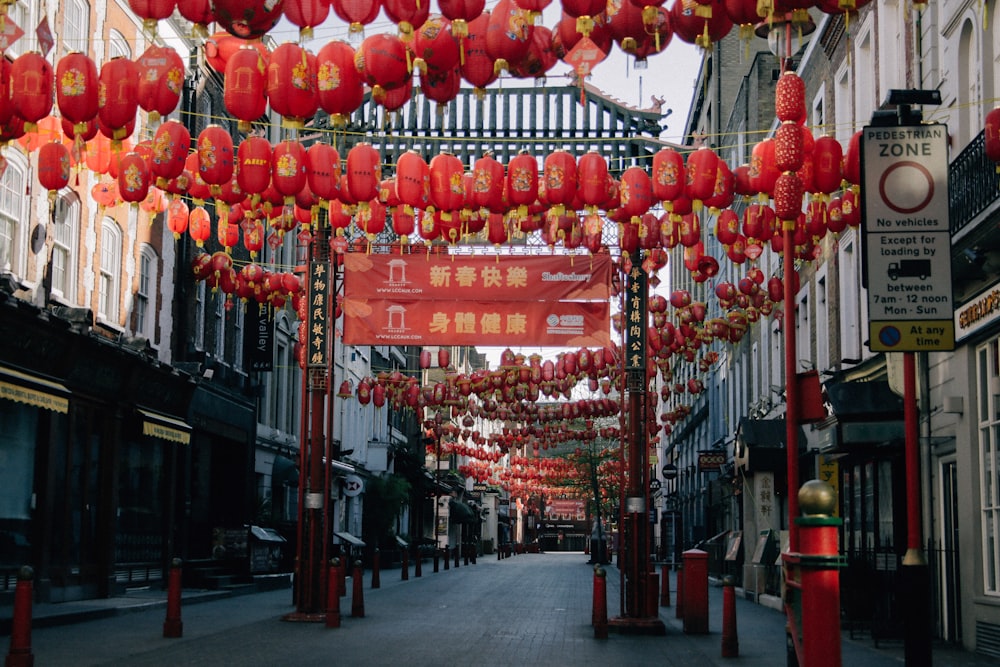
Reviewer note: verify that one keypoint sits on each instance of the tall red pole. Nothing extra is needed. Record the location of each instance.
(19, 654)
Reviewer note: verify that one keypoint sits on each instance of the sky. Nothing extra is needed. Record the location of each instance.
(671, 74)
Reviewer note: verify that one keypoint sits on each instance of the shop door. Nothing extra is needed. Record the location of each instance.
(948, 568)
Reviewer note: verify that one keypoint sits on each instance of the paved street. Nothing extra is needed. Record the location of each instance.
(532, 609)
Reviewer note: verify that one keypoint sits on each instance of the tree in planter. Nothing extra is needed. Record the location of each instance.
(385, 498)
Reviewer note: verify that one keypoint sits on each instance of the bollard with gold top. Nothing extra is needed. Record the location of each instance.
(812, 579)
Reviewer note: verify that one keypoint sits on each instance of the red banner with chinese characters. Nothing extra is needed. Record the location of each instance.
(490, 323)
(477, 277)
(565, 510)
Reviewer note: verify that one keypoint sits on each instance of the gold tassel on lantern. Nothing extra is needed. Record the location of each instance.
(584, 25)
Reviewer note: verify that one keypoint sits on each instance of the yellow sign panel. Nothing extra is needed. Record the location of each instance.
(911, 336)
(165, 432)
(28, 396)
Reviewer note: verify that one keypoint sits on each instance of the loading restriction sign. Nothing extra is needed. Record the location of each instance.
(907, 245)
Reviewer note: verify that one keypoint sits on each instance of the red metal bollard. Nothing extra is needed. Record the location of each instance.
(730, 639)
(358, 596)
(695, 591)
(376, 569)
(405, 572)
(679, 609)
(600, 603)
(665, 585)
(333, 595)
(417, 567)
(173, 626)
(20, 654)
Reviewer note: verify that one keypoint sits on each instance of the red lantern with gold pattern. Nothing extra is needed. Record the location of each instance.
(790, 98)
(636, 192)
(291, 84)
(699, 24)
(408, 15)
(161, 80)
(723, 192)
(133, 178)
(253, 160)
(199, 226)
(991, 136)
(689, 230)
(788, 193)
(522, 180)
(488, 184)
(436, 46)
(119, 85)
(364, 172)
(447, 190)
(727, 227)
(247, 19)
(788, 148)
(340, 90)
(828, 156)
(53, 166)
(383, 61)
(508, 34)
(288, 169)
(215, 155)
(177, 217)
(763, 170)
(323, 171)
(479, 66)
(77, 88)
(151, 11)
(243, 89)
(700, 173)
(170, 148)
(852, 159)
(668, 175)
(31, 84)
(198, 12)
(560, 179)
(441, 87)
(394, 99)
(850, 209)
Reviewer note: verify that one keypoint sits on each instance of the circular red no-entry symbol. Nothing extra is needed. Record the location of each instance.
(906, 187)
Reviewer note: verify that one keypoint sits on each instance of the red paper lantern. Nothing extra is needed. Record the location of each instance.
(408, 15)
(323, 171)
(727, 227)
(852, 160)
(436, 46)
(198, 12)
(788, 147)
(479, 66)
(53, 166)
(357, 13)
(827, 159)
(133, 178)
(306, 14)
(991, 136)
(849, 208)
(723, 192)
(170, 148)
(636, 192)
(161, 81)
(253, 159)
(835, 222)
(560, 179)
(668, 175)
(177, 217)
(441, 87)
(394, 99)
(700, 173)
(790, 98)
(288, 169)
(413, 181)
(763, 170)
(592, 171)
(539, 57)
(364, 172)
(340, 90)
(788, 193)
(215, 155)
(689, 230)
(31, 84)
(488, 184)
(508, 34)
(700, 24)
(383, 62)
(447, 190)
(119, 84)
(247, 19)
(522, 180)
(291, 85)
(77, 89)
(243, 89)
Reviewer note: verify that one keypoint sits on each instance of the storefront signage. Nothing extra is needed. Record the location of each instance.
(981, 311)
(318, 324)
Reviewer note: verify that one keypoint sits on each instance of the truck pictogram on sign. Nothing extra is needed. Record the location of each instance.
(909, 268)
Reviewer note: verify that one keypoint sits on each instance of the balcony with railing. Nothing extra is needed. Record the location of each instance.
(973, 185)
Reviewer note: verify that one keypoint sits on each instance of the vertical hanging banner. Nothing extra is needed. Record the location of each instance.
(635, 322)
(477, 300)
(258, 341)
(320, 288)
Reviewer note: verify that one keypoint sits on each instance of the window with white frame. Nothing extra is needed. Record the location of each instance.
(891, 39)
(822, 321)
(988, 392)
(220, 324)
(76, 25)
(803, 331)
(12, 216)
(118, 46)
(145, 318)
(199, 315)
(777, 377)
(864, 91)
(843, 117)
(64, 243)
(19, 14)
(850, 296)
(238, 333)
(969, 85)
(110, 270)
(818, 112)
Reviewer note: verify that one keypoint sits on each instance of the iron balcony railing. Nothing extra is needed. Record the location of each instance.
(973, 184)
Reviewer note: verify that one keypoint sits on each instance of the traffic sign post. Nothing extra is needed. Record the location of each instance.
(907, 243)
